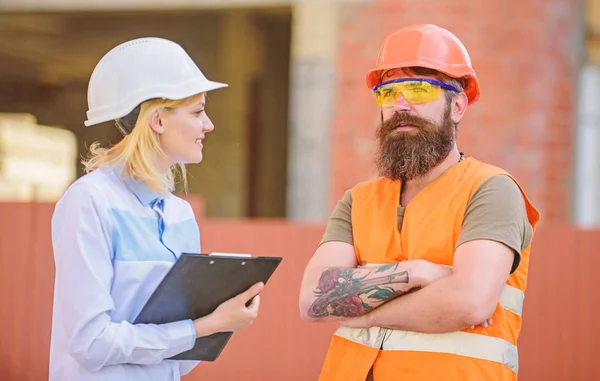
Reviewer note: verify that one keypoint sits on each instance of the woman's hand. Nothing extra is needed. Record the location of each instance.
(233, 314)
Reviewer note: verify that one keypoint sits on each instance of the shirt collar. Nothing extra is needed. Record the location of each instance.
(142, 192)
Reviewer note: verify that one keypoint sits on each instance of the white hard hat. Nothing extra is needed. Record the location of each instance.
(138, 70)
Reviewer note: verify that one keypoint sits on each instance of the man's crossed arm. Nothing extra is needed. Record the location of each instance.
(354, 292)
(444, 300)
(333, 288)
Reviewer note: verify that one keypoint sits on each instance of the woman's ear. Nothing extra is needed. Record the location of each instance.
(156, 122)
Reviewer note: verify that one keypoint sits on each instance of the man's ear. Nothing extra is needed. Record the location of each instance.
(458, 107)
(156, 122)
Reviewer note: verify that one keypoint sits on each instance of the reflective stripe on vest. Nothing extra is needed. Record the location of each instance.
(458, 343)
(512, 299)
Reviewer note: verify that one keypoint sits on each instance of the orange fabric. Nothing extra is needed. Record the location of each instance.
(431, 227)
(354, 362)
(438, 366)
(426, 46)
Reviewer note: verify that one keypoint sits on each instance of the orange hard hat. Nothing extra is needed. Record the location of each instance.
(428, 46)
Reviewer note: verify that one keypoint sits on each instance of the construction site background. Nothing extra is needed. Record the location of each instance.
(294, 130)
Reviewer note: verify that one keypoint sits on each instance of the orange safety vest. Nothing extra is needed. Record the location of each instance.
(431, 227)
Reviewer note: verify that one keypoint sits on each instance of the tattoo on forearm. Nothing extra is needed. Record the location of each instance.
(344, 293)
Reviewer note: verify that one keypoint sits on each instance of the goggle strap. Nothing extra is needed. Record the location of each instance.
(431, 81)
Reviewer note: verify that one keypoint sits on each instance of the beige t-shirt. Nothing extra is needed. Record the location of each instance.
(495, 212)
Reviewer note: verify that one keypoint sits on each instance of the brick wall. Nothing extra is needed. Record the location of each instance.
(558, 343)
(525, 54)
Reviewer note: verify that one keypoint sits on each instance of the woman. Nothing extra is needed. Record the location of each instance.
(117, 230)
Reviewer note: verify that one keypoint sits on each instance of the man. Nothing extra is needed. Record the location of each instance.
(424, 267)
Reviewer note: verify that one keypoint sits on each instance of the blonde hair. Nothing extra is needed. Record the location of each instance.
(138, 151)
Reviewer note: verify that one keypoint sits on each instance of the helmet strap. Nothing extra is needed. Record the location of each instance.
(121, 127)
(126, 124)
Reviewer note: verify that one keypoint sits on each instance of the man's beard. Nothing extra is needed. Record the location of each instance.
(407, 155)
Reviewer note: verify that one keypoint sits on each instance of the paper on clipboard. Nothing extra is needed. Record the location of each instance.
(231, 254)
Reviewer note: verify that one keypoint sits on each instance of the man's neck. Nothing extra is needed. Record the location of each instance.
(411, 187)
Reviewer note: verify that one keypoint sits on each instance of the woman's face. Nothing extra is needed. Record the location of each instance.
(182, 131)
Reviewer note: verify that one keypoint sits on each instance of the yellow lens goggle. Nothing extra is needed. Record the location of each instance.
(414, 90)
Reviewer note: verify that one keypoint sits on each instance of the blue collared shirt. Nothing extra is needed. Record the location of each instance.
(114, 240)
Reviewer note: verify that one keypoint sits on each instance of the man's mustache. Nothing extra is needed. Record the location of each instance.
(399, 118)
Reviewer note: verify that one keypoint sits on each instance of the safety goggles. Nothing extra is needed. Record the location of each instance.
(414, 90)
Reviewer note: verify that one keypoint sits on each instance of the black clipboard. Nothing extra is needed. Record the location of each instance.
(196, 285)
